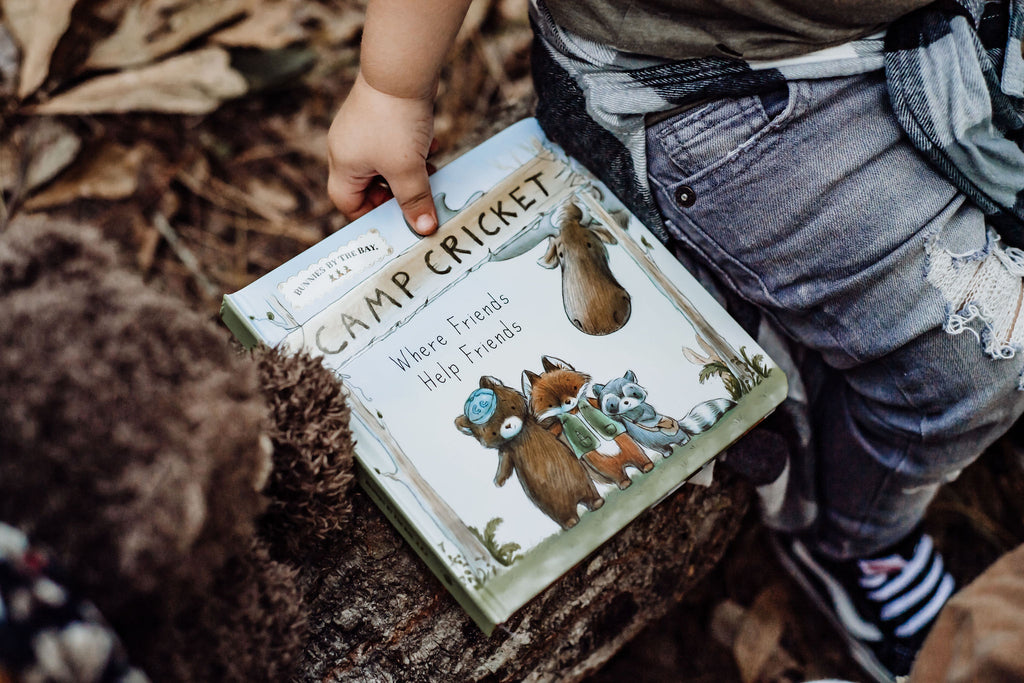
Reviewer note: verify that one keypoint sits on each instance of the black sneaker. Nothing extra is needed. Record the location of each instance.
(883, 605)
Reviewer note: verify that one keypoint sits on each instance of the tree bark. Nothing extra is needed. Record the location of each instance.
(379, 614)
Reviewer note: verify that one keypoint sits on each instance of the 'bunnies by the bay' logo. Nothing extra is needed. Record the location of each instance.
(335, 270)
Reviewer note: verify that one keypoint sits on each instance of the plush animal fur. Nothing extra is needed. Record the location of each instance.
(556, 398)
(548, 472)
(307, 491)
(130, 446)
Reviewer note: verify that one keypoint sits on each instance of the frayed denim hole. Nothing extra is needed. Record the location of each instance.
(983, 291)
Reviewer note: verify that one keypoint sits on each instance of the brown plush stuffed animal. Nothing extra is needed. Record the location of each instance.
(174, 480)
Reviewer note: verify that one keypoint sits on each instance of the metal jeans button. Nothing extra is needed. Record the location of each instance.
(685, 196)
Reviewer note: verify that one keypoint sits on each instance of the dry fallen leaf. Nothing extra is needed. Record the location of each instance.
(338, 25)
(271, 195)
(304, 235)
(300, 134)
(36, 154)
(112, 173)
(192, 83)
(148, 239)
(37, 25)
(198, 179)
(475, 17)
(269, 26)
(757, 648)
(153, 28)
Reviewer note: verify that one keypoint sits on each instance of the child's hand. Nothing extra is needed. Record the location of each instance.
(377, 134)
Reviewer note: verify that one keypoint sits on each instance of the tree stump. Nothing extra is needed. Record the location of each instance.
(379, 614)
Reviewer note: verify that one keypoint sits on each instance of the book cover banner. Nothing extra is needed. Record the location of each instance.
(528, 379)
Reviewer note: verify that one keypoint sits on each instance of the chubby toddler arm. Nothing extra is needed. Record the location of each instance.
(385, 126)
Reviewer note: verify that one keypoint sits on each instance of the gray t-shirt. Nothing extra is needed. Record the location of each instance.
(751, 29)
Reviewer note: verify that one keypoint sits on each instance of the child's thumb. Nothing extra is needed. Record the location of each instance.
(412, 190)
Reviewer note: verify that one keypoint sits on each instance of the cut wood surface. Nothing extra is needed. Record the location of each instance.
(379, 614)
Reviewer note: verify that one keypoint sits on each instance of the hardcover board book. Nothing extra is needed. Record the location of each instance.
(525, 381)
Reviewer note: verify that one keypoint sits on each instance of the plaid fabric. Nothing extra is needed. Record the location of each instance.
(954, 71)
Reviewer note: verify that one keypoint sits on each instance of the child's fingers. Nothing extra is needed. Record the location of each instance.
(411, 188)
(378, 192)
(348, 194)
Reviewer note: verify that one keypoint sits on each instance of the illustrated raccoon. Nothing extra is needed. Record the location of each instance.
(552, 478)
(625, 401)
(557, 400)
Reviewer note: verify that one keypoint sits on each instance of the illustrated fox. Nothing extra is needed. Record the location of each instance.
(557, 400)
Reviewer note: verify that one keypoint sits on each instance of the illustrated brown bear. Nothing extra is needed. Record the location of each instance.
(551, 476)
(557, 401)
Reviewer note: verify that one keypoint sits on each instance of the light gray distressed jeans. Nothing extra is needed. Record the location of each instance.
(815, 208)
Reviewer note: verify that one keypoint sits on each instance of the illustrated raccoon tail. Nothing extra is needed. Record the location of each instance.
(704, 415)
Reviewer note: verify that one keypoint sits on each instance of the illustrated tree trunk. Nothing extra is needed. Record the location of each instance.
(379, 614)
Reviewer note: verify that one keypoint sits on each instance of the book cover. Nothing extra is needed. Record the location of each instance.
(525, 381)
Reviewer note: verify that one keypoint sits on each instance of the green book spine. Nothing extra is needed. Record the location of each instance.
(238, 325)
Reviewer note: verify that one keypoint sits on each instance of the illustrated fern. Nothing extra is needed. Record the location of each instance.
(719, 369)
(756, 365)
(713, 369)
(505, 553)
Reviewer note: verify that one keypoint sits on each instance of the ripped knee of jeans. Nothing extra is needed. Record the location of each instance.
(984, 292)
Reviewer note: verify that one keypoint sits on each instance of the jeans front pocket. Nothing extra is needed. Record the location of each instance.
(820, 218)
(711, 151)
(706, 136)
